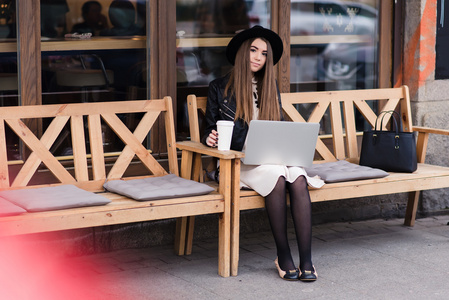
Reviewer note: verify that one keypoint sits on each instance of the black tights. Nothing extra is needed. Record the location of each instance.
(301, 209)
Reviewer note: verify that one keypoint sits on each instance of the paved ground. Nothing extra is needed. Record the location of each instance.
(362, 260)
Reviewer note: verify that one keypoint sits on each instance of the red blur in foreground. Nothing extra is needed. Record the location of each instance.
(31, 270)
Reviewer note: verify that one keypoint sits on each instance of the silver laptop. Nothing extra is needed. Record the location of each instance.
(281, 143)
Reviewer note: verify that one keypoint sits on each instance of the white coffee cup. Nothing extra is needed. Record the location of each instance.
(224, 129)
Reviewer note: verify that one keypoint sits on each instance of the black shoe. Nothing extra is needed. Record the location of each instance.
(287, 275)
(308, 275)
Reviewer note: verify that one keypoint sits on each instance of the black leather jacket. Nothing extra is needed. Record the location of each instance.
(223, 108)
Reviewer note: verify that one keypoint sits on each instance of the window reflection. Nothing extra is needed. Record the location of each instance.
(109, 65)
(7, 19)
(202, 17)
(122, 16)
(108, 70)
(53, 18)
(334, 47)
(8, 60)
(9, 87)
(334, 44)
(94, 21)
(213, 21)
(99, 17)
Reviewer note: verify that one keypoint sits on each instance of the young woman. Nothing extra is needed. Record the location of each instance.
(250, 92)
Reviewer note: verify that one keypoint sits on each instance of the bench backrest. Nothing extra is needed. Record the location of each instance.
(335, 111)
(81, 120)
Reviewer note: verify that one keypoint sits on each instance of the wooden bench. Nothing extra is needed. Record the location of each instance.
(91, 169)
(336, 111)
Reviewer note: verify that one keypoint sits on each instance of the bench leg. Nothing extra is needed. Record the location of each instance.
(224, 223)
(235, 217)
(184, 225)
(180, 236)
(189, 234)
(184, 235)
(412, 207)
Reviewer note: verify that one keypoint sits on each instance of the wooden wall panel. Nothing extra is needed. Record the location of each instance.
(283, 29)
(29, 48)
(162, 47)
(385, 43)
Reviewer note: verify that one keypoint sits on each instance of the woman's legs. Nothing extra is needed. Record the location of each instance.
(276, 206)
(301, 209)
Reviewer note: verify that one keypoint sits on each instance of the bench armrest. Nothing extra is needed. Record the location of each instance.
(423, 139)
(200, 148)
(430, 130)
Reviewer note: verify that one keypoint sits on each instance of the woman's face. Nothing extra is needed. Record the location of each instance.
(258, 55)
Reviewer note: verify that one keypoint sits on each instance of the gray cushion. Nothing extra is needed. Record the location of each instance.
(9, 209)
(343, 171)
(153, 188)
(53, 198)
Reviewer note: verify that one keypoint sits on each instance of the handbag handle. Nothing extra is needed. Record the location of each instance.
(397, 129)
(393, 114)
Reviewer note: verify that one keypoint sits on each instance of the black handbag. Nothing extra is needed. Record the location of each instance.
(392, 151)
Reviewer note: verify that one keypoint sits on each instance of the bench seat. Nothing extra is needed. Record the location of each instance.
(426, 176)
(121, 210)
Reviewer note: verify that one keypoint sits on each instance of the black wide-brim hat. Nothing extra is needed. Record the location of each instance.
(255, 32)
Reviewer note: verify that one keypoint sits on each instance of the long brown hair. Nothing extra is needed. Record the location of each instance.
(240, 85)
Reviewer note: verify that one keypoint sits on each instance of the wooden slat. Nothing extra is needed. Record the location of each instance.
(431, 130)
(50, 111)
(391, 104)
(366, 111)
(337, 130)
(96, 147)
(170, 136)
(391, 186)
(192, 107)
(41, 151)
(350, 129)
(107, 215)
(292, 113)
(406, 110)
(4, 174)
(141, 131)
(33, 161)
(421, 146)
(205, 150)
(133, 145)
(79, 148)
(318, 112)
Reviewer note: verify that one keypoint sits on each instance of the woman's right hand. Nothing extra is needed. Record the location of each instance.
(212, 139)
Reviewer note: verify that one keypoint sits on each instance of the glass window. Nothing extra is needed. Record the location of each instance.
(8, 54)
(94, 51)
(9, 84)
(204, 28)
(334, 44)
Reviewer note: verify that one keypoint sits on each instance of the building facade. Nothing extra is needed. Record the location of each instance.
(68, 51)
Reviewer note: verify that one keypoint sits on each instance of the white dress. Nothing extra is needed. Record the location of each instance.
(263, 178)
